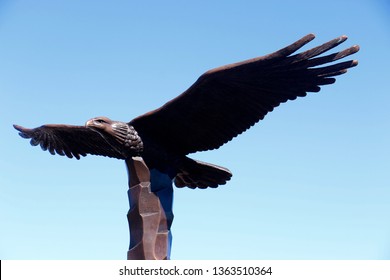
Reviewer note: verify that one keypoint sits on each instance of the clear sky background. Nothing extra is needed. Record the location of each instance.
(311, 181)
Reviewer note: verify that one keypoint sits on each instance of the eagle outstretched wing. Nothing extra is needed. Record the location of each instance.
(70, 140)
(226, 101)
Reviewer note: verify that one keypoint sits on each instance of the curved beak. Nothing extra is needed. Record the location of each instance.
(89, 123)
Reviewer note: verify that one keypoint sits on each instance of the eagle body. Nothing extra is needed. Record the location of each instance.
(220, 105)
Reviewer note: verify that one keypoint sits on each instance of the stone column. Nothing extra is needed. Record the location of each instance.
(150, 216)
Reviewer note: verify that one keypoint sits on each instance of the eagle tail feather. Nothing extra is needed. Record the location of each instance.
(197, 174)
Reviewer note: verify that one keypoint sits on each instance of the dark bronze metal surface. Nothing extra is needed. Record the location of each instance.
(149, 233)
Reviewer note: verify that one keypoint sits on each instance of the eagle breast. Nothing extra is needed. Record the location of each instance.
(127, 136)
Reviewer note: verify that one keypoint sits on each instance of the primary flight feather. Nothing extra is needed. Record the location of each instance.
(221, 104)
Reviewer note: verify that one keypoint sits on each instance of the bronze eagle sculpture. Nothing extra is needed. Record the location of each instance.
(221, 104)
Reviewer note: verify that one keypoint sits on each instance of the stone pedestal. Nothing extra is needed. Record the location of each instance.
(150, 216)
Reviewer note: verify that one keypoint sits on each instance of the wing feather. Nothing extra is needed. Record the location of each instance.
(226, 101)
(71, 141)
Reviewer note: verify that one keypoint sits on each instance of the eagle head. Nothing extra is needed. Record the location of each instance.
(101, 124)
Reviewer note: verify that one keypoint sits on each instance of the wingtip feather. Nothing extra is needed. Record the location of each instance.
(19, 128)
(343, 38)
(23, 132)
(356, 48)
(310, 36)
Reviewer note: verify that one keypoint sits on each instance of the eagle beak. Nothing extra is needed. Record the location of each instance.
(89, 123)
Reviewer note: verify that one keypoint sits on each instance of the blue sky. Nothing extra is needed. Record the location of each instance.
(311, 181)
